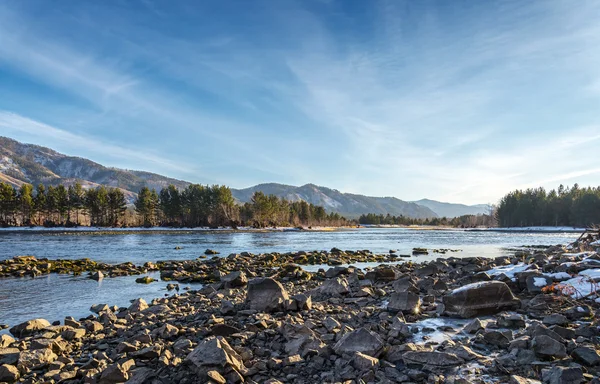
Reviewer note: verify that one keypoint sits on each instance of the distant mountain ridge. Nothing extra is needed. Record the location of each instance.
(452, 209)
(347, 204)
(27, 163)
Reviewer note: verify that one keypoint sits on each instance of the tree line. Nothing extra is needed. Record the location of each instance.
(194, 206)
(574, 206)
(465, 221)
(60, 205)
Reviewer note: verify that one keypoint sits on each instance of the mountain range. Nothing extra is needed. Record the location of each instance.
(27, 163)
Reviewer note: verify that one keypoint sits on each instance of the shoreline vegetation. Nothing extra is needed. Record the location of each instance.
(195, 206)
(264, 319)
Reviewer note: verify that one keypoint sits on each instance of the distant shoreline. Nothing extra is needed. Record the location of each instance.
(140, 230)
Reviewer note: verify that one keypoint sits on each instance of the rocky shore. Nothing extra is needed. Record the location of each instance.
(529, 318)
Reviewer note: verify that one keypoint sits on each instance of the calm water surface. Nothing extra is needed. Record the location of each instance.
(54, 297)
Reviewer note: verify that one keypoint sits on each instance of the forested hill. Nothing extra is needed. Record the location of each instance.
(26, 163)
(574, 206)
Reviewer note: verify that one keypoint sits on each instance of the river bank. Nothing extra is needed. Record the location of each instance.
(450, 320)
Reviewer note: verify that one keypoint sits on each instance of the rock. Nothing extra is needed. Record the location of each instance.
(330, 323)
(29, 328)
(334, 287)
(473, 326)
(98, 275)
(9, 373)
(114, 373)
(145, 280)
(94, 326)
(35, 359)
(555, 319)
(514, 379)
(292, 360)
(535, 283)
(167, 331)
(303, 302)
(142, 376)
(545, 346)
(5, 341)
(512, 321)
(587, 356)
(497, 338)
(362, 362)
(406, 302)
(563, 375)
(151, 352)
(97, 308)
(211, 252)
(73, 334)
(480, 299)
(336, 271)
(266, 294)
(234, 280)
(214, 352)
(9, 355)
(216, 377)
(138, 305)
(223, 330)
(227, 307)
(441, 359)
(361, 340)
(381, 274)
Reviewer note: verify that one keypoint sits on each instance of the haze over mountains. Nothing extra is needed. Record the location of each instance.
(27, 163)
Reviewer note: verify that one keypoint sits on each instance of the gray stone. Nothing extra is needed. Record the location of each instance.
(362, 362)
(138, 305)
(440, 359)
(9, 373)
(114, 373)
(214, 352)
(555, 319)
(587, 356)
(266, 294)
(545, 346)
(235, 279)
(405, 302)
(563, 375)
(361, 340)
(480, 299)
(29, 328)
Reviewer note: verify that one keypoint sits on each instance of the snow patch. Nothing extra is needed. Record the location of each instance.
(469, 286)
(583, 285)
(539, 282)
(558, 276)
(509, 270)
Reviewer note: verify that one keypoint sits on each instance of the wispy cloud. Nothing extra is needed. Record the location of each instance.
(454, 102)
(12, 123)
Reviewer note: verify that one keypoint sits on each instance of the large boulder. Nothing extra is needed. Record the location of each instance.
(481, 298)
(266, 294)
(405, 302)
(361, 340)
(30, 327)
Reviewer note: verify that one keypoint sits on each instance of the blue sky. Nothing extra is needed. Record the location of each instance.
(457, 101)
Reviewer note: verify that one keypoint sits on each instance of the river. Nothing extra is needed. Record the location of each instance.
(55, 296)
